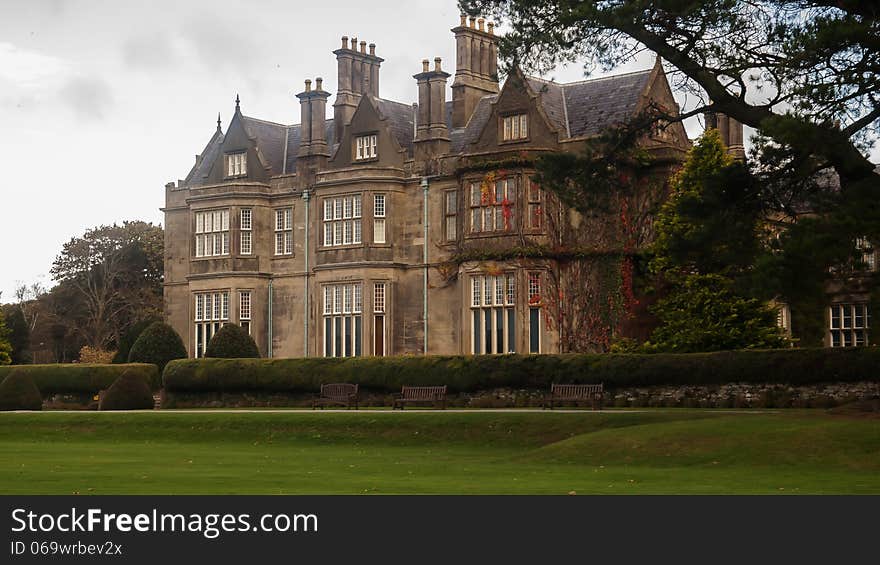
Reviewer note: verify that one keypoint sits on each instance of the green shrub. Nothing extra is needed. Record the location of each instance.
(470, 373)
(18, 392)
(128, 338)
(128, 392)
(232, 342)
(158, 344)
(82, 378)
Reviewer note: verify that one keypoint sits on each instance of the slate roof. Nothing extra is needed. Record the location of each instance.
(400, 118)
(578, 109)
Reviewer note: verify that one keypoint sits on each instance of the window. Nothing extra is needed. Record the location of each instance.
(783, 317)
(211, 313)
(451, 214)
(515, 127)
(236, 165)
(283, 231)
(342, 221)
(493, 317)
(536, 204)
(866, 251)
(365, 147)
(534, 312)
(378, 218)
(492, 205)
(849, 324)
(379, 319)
(343, 325)
(212, 233)
(245, 231)
(244, 310)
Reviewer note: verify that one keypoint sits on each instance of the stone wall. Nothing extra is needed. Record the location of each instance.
(734, 395)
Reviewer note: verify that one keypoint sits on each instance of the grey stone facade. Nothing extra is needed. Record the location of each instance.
(410, 170)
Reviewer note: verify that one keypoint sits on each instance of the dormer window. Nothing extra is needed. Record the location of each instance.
(365, 147)
(236, 164)
(515, 127)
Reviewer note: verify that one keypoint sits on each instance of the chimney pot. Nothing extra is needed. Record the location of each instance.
(463, 19)
(471, 21)
(373, 49)
(425, 64)
(480, 22)
(363, 46)
(308, 85)
(491, 28)
(318, 82)
(345, 42)
(354, 43)
(437, 64)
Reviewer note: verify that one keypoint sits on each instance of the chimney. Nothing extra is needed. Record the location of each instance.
(358, 71)
(432, 134)
(476, 69)
(730, 131)
(313, 150)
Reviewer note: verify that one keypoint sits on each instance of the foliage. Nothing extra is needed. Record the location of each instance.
(115, 273)
(81, 378)
(483, 372)
(93, 355)
(128, 339)
(19, 334)
(702, 313)
(158, 344)
(128, 392)
(18, 392)
(5, 346)
(805, 75)
(231, 342)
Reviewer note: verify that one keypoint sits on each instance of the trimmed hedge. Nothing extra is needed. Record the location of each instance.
(470, 373)
(128, 392)
(158, 344)
(232, 342)
(18, 392)
(82, 378)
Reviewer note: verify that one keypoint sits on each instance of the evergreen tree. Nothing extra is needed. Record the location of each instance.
(19, 336)
(5, 346)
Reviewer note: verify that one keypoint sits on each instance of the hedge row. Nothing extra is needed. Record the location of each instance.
(74, 378)
(469, 373)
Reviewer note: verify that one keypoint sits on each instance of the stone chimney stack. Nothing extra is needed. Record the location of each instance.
(313, 149)
(432, 134)
(731, 132)
(358, 75)
(476, 69)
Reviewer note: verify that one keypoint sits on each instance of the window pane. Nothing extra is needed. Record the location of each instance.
(534, 330)
(357, 206)
(357, 231)
(450, 228)
(476, 331)
(379, 230)
(511, 330)
(451, 205)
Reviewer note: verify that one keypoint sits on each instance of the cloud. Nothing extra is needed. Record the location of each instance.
(221, 46)
(149, 52)
(89, 97)
(30, 70)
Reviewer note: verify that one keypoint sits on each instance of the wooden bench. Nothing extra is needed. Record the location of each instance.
(342, 394)
(433, 394)
(568, 394)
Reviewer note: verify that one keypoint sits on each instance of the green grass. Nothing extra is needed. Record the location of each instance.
(674, 451)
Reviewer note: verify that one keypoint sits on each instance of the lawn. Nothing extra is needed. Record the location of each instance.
(672, 451)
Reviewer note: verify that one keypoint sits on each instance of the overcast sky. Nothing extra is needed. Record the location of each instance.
(105, 101)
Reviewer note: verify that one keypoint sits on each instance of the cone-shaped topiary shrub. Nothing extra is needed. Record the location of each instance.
(18, 392)
(128, 338)
(128, 392)
(158, 344)
(232, 342)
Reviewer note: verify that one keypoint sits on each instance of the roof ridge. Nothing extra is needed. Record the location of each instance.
(594, 79)
(268, 121)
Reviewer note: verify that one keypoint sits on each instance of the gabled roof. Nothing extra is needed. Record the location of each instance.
(576, 109)
(206, 159)
(400, 118)
(269, 138)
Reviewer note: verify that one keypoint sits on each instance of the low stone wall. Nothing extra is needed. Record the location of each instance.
(733, 395)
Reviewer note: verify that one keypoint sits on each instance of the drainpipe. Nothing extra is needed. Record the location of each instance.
(306, 250)
(269, 348)
(425, 253)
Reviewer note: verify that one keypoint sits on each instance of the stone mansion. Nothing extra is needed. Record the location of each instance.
(389, 228)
